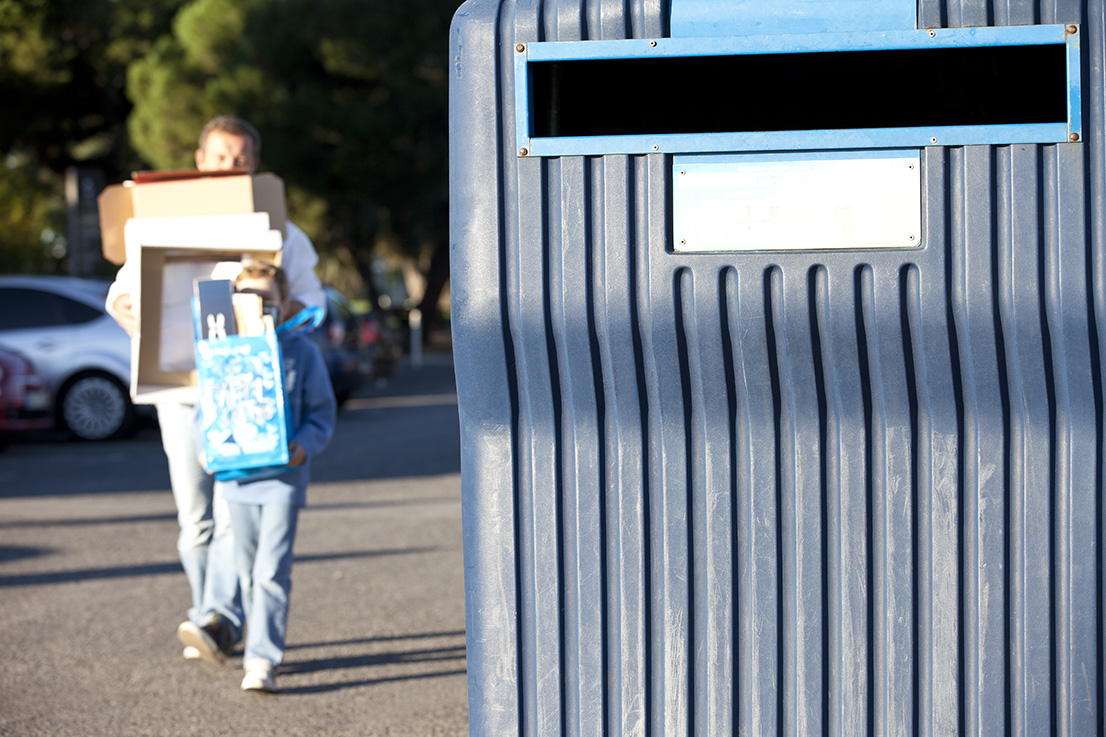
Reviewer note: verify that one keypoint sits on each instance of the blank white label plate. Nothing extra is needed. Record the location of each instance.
(797, 202)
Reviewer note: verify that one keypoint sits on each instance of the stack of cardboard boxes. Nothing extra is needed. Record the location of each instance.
(172, 228)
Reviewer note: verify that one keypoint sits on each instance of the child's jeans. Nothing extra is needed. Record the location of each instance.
(263, 537)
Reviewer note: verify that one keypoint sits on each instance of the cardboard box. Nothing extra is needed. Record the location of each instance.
(176, 194)
(169, 253)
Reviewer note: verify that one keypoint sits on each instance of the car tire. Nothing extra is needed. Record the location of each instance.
(95, 406)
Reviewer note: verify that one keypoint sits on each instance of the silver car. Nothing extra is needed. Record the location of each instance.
(60, 324)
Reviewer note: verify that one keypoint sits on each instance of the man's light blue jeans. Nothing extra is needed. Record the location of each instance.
(206, 543)
(263, 538)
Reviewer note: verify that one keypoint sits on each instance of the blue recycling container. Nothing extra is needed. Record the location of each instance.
(779, 331)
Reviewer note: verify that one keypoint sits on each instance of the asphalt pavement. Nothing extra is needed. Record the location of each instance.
(91, 591)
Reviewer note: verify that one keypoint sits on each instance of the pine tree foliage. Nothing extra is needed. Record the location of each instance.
(350, 97)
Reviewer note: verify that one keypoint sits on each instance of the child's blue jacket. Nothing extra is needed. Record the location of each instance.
(309, 400)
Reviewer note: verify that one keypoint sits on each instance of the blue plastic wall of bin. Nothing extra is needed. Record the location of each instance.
(760, 18)
(776, 493)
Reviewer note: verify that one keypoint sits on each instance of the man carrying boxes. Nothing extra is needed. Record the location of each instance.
(163, 256)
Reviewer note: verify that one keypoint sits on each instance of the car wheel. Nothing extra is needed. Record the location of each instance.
(95, 406)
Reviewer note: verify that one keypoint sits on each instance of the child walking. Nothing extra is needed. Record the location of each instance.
(264, 509)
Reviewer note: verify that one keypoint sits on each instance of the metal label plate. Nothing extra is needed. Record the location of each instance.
(797, 202)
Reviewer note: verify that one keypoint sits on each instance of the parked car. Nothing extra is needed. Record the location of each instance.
(60, 324)
(25, 399)
(342, 339)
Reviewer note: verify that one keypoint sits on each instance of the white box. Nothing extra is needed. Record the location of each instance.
(168, 253)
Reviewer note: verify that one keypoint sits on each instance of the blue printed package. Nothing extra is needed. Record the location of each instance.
(242, 415)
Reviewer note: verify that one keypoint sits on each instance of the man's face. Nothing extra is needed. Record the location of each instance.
(223, 151)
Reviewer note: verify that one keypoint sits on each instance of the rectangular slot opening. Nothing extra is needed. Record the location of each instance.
(897, 88)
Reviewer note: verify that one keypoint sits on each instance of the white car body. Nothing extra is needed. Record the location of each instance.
(61, 350)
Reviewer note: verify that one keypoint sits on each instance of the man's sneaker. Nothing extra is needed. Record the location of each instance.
(214, 641)
(191, 653)
(259, 677)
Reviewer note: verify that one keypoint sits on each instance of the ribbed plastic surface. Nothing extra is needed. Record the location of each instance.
(776, 494)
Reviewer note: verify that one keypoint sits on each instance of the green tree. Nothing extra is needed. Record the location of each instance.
(29, 220)
(350, 97)
(62, 78)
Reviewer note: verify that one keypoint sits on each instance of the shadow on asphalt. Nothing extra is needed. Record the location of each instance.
(89, 574)
(396, 657)
(385, 431)
(155, 569)
(327, 687)
(170, 517)
(371, 640)
(364, 661)
(414, 656)
(88, 521)
(11, 553)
